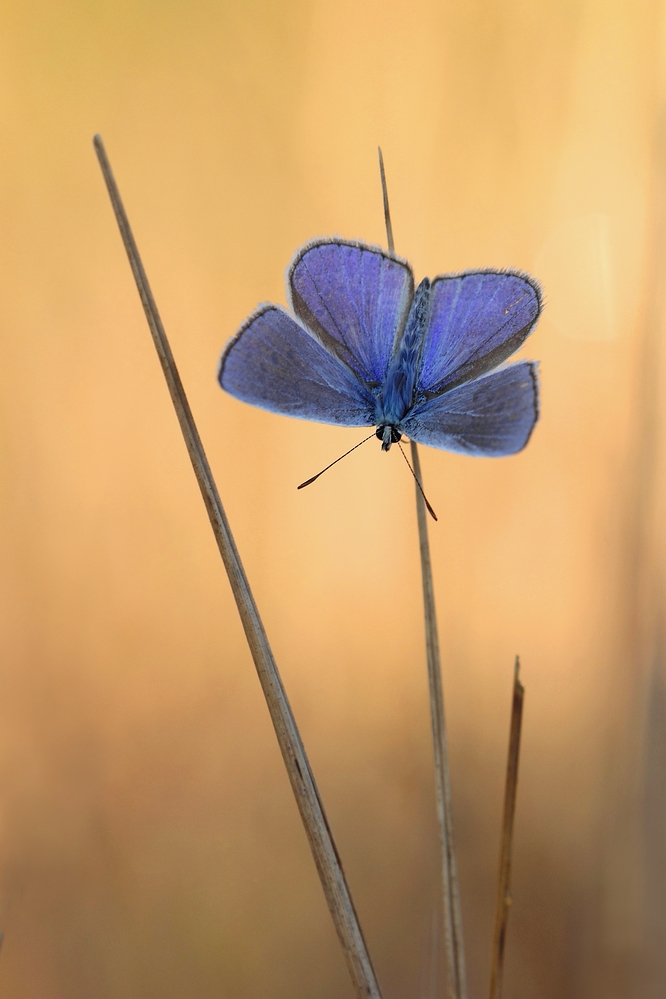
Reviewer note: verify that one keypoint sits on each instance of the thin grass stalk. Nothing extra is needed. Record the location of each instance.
(453, 929)
(503, 906)
(300, 774)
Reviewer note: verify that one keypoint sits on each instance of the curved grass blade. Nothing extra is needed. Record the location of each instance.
(504, 888)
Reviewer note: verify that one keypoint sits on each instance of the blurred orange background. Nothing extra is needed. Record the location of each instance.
(150, 845)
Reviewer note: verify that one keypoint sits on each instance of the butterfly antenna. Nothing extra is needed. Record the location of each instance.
(416, 480)
(309, 482)
(387, 212)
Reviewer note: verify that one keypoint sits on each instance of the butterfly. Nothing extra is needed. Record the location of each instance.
(363, 348)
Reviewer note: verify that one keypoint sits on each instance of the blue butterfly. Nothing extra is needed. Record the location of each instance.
(365, 349)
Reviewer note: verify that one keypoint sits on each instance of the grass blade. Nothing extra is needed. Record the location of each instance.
(302, 779)
(453, 930)
(504, 887)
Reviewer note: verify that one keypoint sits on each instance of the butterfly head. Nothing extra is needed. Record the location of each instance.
(388, 435)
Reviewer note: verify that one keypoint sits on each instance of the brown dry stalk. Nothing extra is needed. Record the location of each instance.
(504, 886)
(453, 929)
(302, 779)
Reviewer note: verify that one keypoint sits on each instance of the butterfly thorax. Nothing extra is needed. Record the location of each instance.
(396, 396)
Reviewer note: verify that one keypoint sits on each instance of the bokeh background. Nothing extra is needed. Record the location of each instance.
(149, 843)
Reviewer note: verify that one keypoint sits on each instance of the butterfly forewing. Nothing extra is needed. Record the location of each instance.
(355, 299)
(477, 320)
(273, 363)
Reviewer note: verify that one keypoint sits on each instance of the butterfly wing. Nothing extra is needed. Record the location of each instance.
(491, 416)
(477, 320)
(355, 299)
(275, 364)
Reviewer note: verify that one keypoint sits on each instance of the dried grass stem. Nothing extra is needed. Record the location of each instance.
(302, 779)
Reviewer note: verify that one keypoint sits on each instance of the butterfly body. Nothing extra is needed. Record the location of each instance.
(363, 348)
(397, 393)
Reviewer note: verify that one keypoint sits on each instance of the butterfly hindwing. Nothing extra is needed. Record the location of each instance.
(491, 416)
(355, 298)
(275, 364)
(477, 320)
